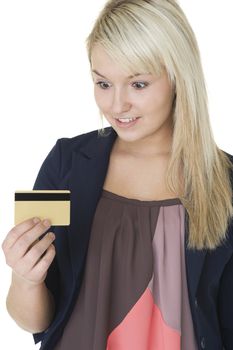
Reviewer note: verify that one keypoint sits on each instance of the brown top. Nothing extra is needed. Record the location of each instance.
(134, 291)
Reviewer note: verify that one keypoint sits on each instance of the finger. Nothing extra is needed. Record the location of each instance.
(32, 257)
(24, 242)
(39, 271)
(18, 231)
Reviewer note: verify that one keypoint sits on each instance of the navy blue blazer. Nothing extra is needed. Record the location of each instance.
(79, 164)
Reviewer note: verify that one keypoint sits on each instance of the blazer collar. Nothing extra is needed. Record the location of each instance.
(89, 168)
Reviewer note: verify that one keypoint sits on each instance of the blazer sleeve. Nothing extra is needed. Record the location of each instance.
(225, 305)
(48, 178)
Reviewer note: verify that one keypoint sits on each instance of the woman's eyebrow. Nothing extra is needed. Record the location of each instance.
(131, 76)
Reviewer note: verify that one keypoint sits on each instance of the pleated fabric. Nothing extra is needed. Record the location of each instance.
(134, 291)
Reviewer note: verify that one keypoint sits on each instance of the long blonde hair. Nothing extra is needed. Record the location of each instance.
(150, 35)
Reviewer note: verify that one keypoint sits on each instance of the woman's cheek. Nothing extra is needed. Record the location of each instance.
(97, 97)
(102, 100)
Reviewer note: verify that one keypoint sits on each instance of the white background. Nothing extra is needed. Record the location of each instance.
(46, 93)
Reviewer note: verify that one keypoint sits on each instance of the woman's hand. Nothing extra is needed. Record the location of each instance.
(28, 256)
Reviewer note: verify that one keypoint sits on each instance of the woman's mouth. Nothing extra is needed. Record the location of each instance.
(126, 122)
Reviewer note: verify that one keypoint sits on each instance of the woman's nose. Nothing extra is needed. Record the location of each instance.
(120, 102)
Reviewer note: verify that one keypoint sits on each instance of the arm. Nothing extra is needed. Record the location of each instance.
(29, 302)
(32, 307)
(32, 300)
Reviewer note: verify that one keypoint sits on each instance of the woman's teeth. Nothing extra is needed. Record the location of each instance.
(127, 120)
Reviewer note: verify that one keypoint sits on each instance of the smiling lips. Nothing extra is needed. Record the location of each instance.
(126, 122)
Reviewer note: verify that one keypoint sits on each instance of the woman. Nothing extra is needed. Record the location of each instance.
(147, 261)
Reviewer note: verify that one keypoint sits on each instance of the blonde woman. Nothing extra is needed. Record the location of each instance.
(147, 262)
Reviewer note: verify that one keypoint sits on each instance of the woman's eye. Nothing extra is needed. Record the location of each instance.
(140, 85)
(103, 85)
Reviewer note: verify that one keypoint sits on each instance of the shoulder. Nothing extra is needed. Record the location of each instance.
(230, 156)
(64, 147)
(230, 223)
(70, 144)
(58, 161)
(74, 143)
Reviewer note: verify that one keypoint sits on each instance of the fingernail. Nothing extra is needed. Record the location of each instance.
(46, 223)
(36, 220)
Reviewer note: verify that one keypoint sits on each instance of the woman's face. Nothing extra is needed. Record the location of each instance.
(146, 97)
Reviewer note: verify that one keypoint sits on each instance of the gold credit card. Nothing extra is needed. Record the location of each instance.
(44, 204)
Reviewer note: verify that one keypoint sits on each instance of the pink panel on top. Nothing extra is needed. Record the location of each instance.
(144, 328)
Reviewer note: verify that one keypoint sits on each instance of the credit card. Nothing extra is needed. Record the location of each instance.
(44, 204)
